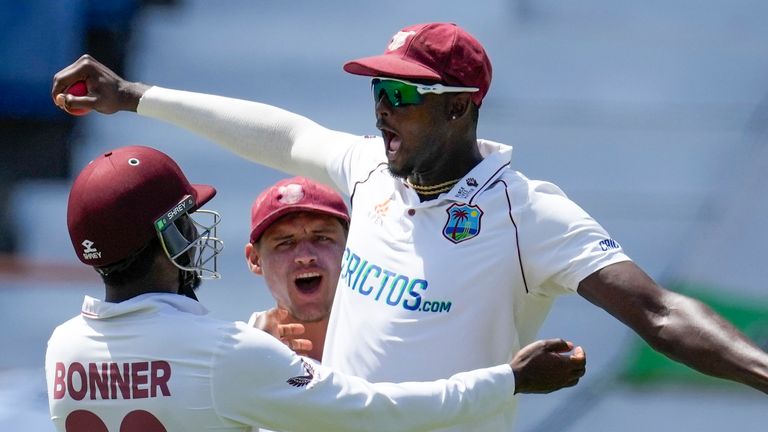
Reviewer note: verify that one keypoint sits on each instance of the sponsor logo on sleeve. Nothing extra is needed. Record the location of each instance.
(609, 244)
(303, 380)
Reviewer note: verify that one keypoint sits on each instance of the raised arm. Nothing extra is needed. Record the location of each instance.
(262, 133)
(680, 327)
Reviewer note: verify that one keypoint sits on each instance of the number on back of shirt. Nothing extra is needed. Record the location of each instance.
(134, 421)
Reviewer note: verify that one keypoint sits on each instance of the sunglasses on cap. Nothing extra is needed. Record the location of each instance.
(401, 93)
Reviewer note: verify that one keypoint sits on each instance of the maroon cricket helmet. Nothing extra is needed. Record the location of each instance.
(115, 200)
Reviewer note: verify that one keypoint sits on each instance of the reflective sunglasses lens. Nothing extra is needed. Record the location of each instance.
(398, 93)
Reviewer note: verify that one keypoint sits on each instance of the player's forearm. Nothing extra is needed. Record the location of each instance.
(282, 391)
(464, 398)
(680, 327)
(693, 334)
(467, 397)
(261, 133)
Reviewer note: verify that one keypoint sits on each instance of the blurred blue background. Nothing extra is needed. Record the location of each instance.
(652, 115)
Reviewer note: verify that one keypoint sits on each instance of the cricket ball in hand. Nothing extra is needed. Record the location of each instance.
(78, 89)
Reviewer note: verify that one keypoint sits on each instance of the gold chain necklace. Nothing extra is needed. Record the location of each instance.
(433, 189)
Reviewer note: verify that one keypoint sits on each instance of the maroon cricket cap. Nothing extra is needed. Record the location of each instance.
(441, 52)
(115, 200)
(294, 195)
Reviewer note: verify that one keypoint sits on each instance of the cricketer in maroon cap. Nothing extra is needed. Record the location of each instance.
(131, 204)
(298, 232)
(435, 53)
(447, 236)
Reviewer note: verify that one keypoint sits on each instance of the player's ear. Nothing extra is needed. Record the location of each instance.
(459, 105)
(252, 259)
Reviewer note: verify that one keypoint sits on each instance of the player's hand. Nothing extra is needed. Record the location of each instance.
(273, 322)
(548, 365)
(107, 92)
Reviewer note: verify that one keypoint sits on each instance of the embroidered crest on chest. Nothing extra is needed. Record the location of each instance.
(463, 222)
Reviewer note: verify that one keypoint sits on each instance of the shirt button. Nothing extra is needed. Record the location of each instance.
(411, 212)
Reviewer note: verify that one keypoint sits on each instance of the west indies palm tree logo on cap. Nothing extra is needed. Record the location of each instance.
(399, 39)
(463, 222)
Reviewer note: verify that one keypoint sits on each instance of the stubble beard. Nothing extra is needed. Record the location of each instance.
(401, 173)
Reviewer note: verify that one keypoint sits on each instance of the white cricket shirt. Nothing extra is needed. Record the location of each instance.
(426, 289)
(157, 363)
(458, 282)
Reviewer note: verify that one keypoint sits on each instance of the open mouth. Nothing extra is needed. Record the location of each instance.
(392, 141)
(308, 283)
